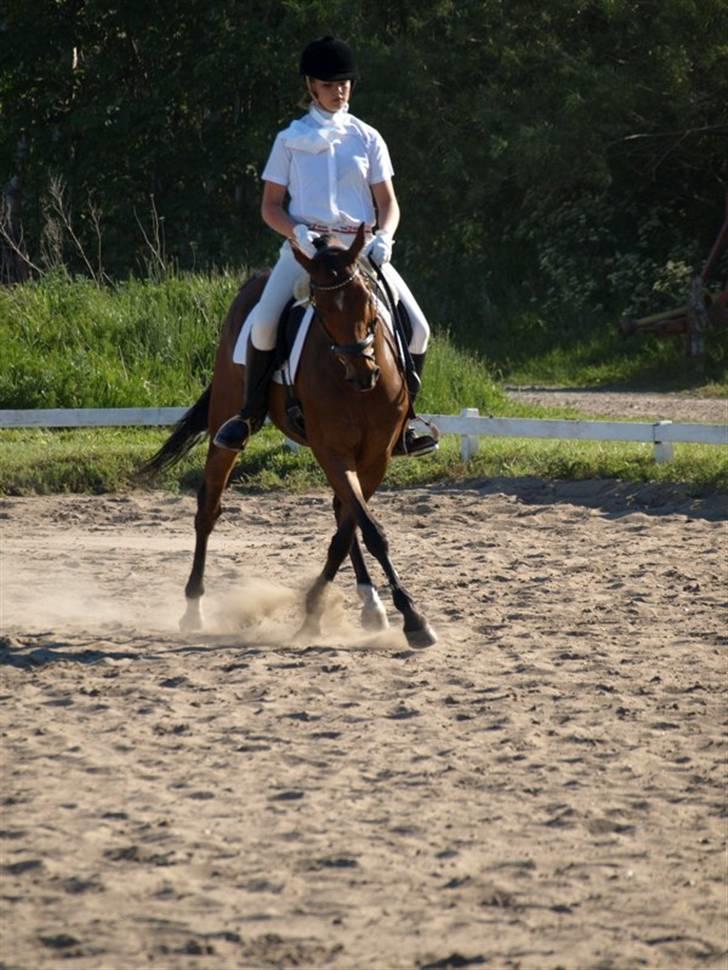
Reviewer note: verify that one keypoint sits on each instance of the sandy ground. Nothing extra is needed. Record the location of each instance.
(628, 404)
(544, 788)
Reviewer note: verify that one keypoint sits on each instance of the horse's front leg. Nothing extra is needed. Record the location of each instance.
(338, 549)
(418, 631)
(217, 470)
(373, 615)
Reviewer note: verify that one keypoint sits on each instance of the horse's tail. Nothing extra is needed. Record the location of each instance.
(189, 430)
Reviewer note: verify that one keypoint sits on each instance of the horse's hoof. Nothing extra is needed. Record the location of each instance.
(309, 629)
(374, 618)
(424, 637)
(373, 615)
(192, 620)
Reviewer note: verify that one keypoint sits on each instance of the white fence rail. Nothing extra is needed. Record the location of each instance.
(90, 417)
(469, 425)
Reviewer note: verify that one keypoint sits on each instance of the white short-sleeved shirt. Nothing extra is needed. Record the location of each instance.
(328, 164)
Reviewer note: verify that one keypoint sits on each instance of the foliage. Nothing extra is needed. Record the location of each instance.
(563, 153)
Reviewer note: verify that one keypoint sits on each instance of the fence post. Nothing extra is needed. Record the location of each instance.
(469, 443)
(662, 451)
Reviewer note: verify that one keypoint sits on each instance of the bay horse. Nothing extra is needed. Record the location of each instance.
(355, 402)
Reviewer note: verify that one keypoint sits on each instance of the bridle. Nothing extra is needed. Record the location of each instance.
(362, 348)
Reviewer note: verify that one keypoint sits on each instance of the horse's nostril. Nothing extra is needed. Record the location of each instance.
(371, 381)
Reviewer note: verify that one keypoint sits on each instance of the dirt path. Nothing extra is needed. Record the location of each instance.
(544, 788)
(628, 404)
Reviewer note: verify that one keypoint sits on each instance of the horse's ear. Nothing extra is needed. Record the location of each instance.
(300, 256)
(358, 244)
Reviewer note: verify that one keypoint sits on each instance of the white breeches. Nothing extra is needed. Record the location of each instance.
(278, 291)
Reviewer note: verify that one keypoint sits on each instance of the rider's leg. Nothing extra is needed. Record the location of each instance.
(260, 357)
(412, 443)
(420, 327)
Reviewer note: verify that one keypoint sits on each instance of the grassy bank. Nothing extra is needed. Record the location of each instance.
(73, 344)
(70, 343)
(139, 343)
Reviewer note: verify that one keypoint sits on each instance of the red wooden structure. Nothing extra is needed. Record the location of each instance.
(704, 310)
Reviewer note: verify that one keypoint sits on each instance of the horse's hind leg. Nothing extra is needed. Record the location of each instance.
(338, 549)
(373, 614)
(217, 471)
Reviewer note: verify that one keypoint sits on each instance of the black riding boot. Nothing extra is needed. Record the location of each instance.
(258, 371)
(411, 443)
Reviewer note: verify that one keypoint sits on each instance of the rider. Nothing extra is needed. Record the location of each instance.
(335, 169)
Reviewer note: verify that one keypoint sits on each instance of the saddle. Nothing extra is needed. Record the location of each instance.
(289, 325)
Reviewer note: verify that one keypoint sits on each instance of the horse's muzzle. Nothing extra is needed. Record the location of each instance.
(363, 380)
(361, 372)
(368, 381)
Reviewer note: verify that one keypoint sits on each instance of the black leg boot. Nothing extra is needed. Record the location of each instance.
(259, 368)
(411, 443)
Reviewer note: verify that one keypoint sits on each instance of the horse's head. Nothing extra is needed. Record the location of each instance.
(344, 306)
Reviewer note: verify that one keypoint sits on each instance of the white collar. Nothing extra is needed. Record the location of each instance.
(330, 119)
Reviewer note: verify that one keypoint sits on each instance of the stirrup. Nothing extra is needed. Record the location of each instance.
(233, 433)
(296, 420)
(415, 445)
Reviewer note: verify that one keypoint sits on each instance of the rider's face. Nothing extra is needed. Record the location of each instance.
(330, 95)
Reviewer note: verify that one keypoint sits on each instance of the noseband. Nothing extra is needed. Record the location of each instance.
(362, 347)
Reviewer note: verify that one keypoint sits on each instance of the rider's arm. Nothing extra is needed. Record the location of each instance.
(272, 209)
(387, 206)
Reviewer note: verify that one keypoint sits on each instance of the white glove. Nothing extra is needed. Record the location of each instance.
(304, 238)
(380, 248)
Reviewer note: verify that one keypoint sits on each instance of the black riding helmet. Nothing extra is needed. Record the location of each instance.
(329, 59)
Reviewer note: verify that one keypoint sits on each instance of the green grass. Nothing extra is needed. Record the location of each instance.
(604, 359)
(73, 344)
(70, 343)
(524, 343)
(141, 343)
(105, 460)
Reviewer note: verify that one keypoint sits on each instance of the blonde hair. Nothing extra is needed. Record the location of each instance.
(307, 98)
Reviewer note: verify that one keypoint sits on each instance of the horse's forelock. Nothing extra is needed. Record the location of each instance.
(327, 242)
(323, 241)
(329, 257)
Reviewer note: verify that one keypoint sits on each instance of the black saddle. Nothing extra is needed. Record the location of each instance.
(288, 327)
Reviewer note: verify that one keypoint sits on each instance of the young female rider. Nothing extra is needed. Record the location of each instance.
(335, 169)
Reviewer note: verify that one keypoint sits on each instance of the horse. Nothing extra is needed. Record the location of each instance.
(355, 401)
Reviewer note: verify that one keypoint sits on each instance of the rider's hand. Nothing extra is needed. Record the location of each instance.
(380, 247)
(304, 238)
